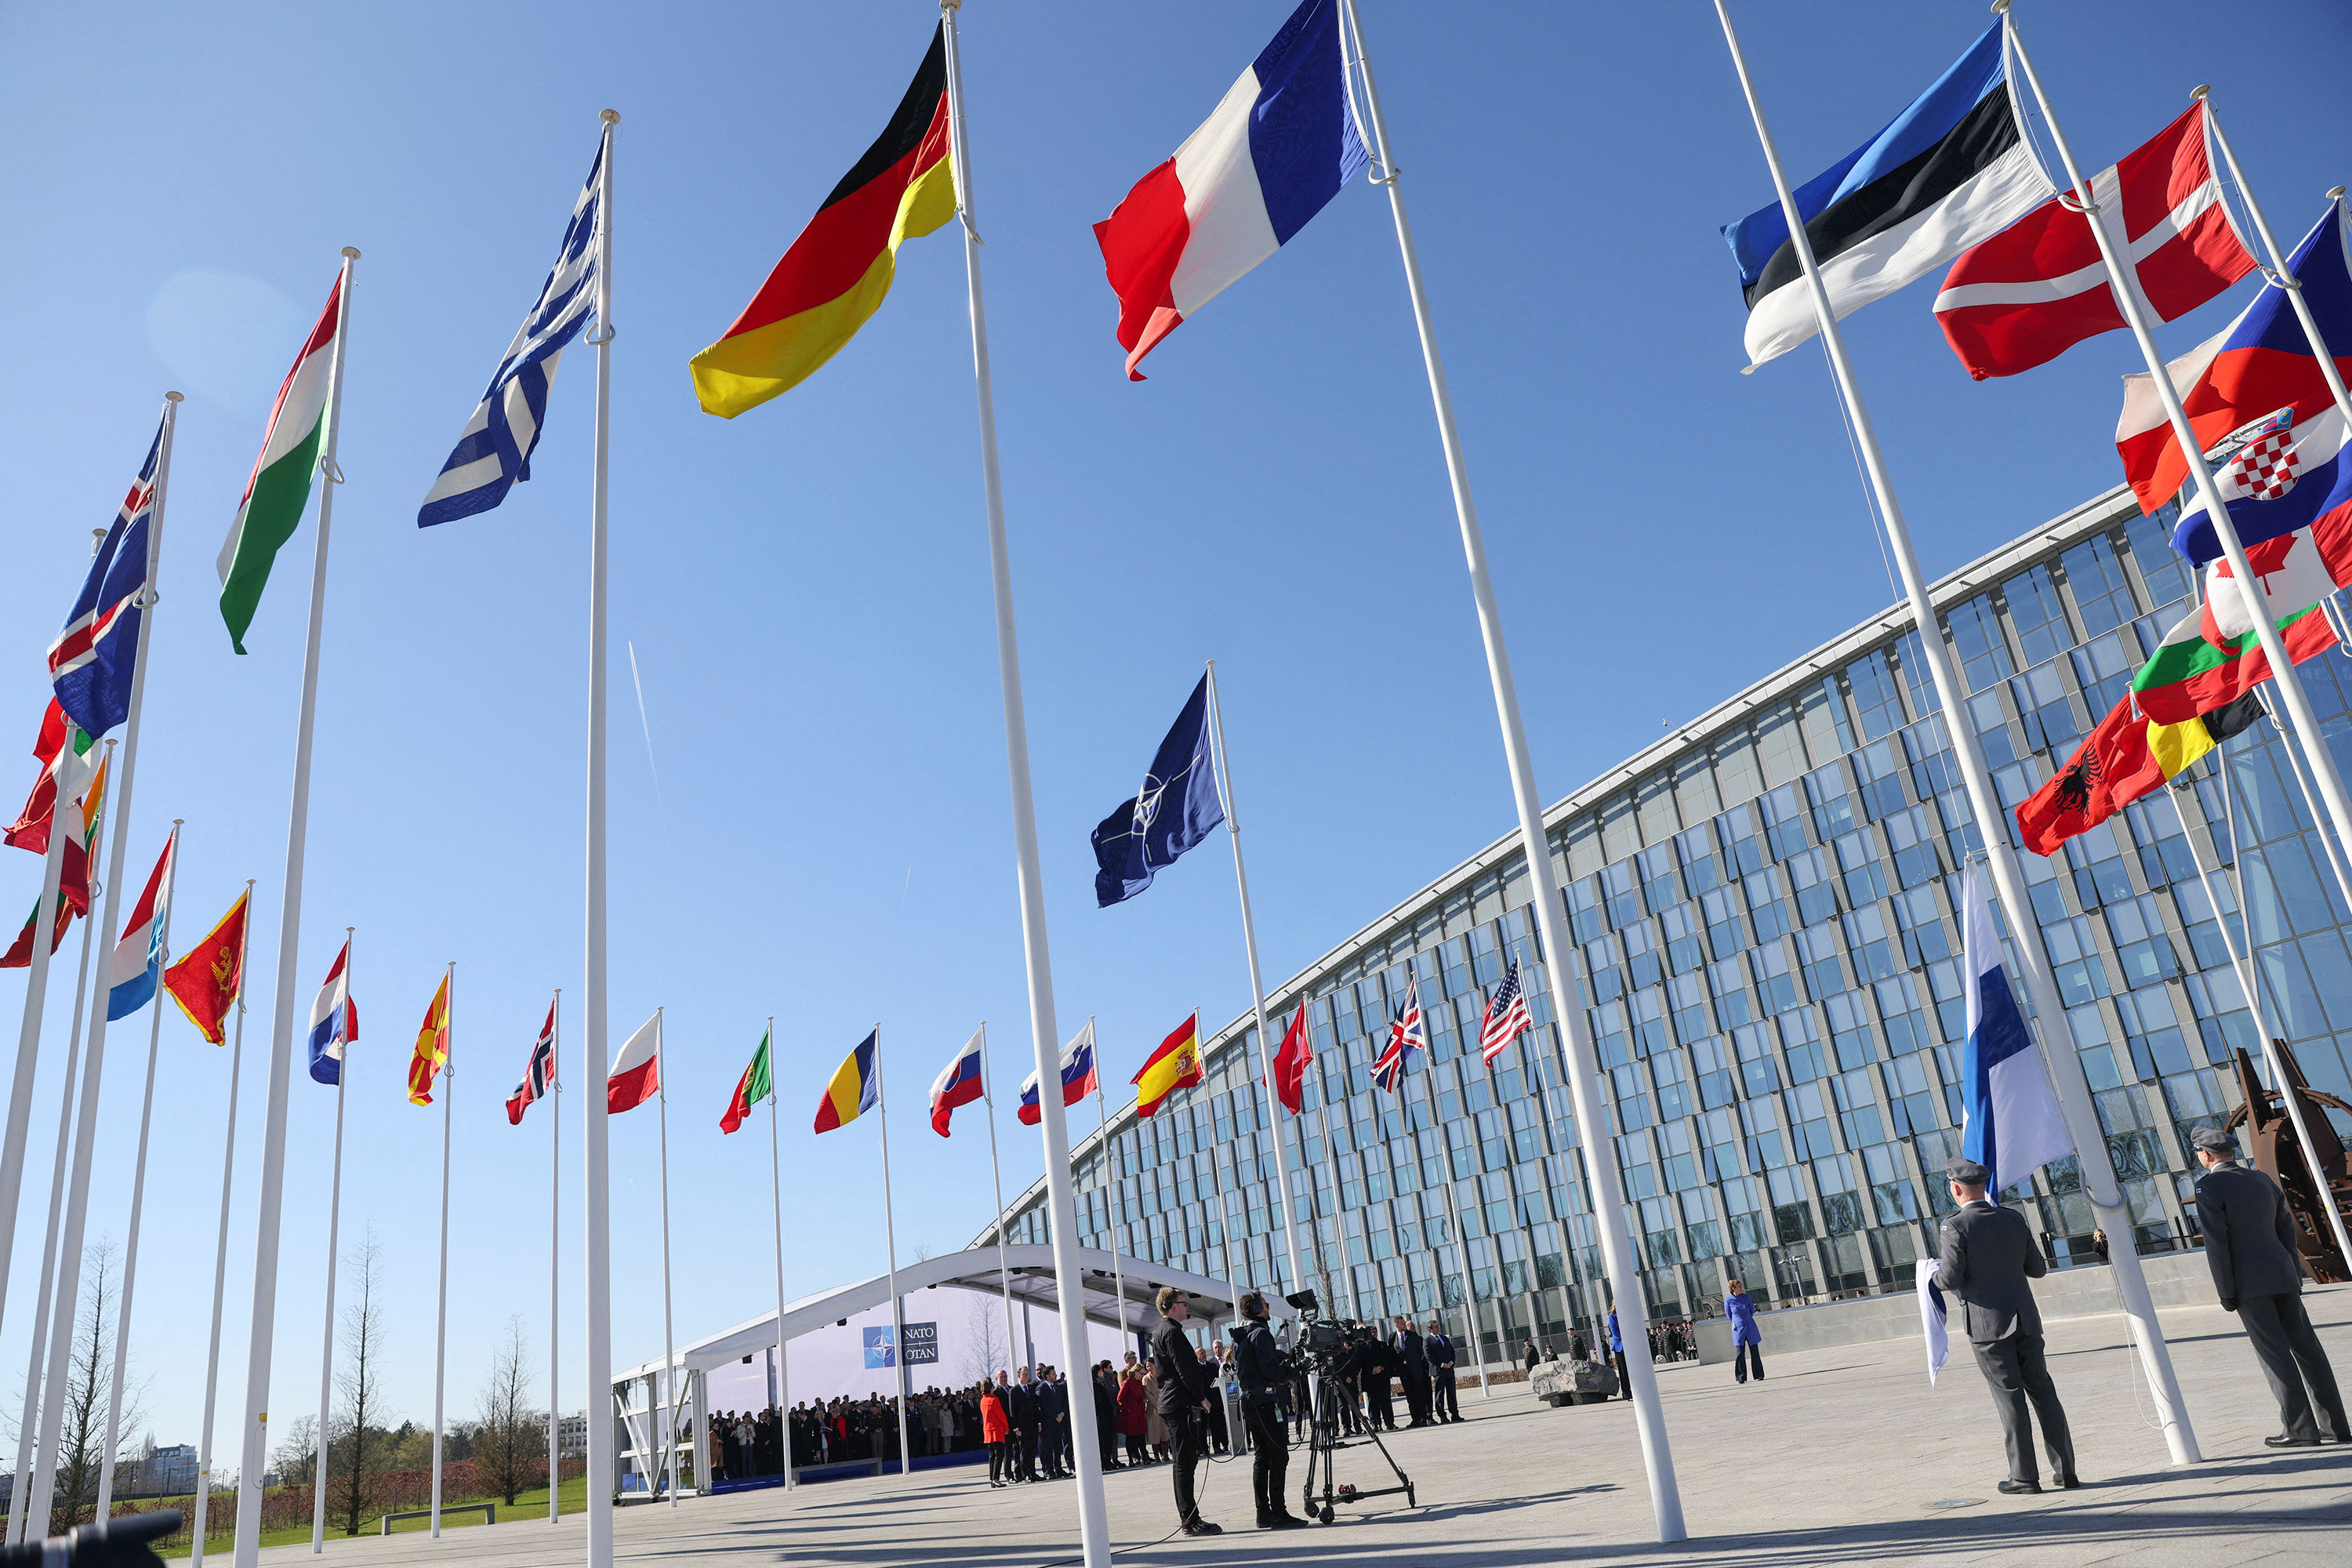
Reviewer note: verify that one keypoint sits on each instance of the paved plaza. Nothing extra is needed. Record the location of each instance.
(1844, 1455)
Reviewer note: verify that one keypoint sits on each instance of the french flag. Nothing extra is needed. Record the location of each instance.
(2010, 1121)
(139, 957)
(1077, 1078)
(962, 1082)
(334, 1020)
(1280, 146)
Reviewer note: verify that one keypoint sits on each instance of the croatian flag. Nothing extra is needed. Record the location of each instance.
(93, 659)
(139, 957)
(1280, 146)
(1077, 1078)
(334, 1020)
(960, 1084)
(2012, 1122)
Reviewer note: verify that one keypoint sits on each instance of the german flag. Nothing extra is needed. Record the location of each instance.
(838, 271)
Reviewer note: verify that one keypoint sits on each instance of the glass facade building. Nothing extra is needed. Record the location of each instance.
(1768, 951)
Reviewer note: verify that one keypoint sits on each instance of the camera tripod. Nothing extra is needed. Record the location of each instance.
(1323, 1444)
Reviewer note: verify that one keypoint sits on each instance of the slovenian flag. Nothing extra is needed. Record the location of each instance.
(963, 1081)
(2010, 1121)
(1079, 1080)
(138, 958)
(1277, 149)
(334, 1020)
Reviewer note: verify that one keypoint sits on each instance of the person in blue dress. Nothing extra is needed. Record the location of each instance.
(1617, 1350)
(1746, 1354)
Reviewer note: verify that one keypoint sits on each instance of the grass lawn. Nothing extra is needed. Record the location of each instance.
(528, 1504)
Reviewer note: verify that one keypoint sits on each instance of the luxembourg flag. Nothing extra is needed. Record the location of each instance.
(1077, 1078)
(2011, 1120)
(139, 957)
(1279, 147)
(961, 1083)
(334, 1020)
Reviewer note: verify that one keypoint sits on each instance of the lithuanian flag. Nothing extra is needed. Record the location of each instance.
(837, 272)
(1175, 1065)
(856, 1088)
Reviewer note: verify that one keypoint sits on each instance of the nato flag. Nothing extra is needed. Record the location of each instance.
(1174, 810)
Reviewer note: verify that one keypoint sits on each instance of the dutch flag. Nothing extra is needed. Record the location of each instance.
(2012, 1122)
(334, 1020)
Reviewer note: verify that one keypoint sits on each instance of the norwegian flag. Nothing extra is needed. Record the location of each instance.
(538, 1077)
(1407, 1033)
(2266, 466)
(93, 660)
(1507, 1016)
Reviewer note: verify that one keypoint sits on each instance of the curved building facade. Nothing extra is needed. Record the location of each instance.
(1764, 904)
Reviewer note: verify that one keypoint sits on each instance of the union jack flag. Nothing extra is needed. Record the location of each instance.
(1405, 1034)
(538, 1077)
(93, 660)
(1507, 1016)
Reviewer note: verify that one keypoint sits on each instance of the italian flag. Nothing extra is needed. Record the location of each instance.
(2212, 657)
(279, 487)
(749, 1089)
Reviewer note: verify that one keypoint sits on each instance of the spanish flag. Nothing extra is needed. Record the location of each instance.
(837, 272)
(206, 981)
(432, 1047)
(1175, 1065)
(856, 1086)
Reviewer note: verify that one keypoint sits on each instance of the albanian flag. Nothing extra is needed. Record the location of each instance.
(2127, 756)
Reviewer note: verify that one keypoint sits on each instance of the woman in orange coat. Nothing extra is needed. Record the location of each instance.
(993, 1431)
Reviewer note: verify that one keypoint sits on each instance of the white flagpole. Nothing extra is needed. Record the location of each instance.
(220, 1253)
(776, 1191)
(1608, 1188)
(1543, 1098)
(441, 1301)
(2303, 785)
(28, 1419)
(596, 1165)
(1257, 992)
(555, 1266)
(1045, 1043)
(1224, 1185)
(890, 1238)
(334, 1240)
(138, 1195)
(1119, 1221)
(66, 1302)
(667, 1425)
(1453, 1218)
(2099, 1183)
(996, 1175)
(254, 1440)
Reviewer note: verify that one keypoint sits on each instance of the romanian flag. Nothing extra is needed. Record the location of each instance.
(856, 1088)
(432, 1047)
(2126, 757)
(838, 271)
(1175, 1065)
(752, 1088)
(206, 982)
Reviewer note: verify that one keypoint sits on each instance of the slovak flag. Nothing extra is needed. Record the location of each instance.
(1077, 1078)
(962, 1082)
(334, 1021)
(1406, 1035)
(1276, 149)
(139, 957)
(2010, 1121)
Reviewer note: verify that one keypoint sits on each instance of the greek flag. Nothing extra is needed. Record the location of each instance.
(494, 453)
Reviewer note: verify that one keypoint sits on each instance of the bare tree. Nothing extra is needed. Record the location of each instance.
(358, 1446)
(982, 1349)
(82, 1436)
(510, 1439)
(298, 1457)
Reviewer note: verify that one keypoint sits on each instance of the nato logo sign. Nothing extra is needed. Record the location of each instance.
(923, 1345)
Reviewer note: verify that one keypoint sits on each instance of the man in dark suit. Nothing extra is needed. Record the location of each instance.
(1053, 1422)
(1987, 1257)
(1379, 1373)
(1185, 1395)
(1412, 1367)
(2250, 1246)
(1020, 1410)
(1439, 1351)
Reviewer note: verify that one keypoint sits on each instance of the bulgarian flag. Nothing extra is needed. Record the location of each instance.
(279, 487)
(2213, 657)
(752, 1088)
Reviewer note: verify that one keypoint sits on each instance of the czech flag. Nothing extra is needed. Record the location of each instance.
(1175, 1065)
(1078, 1079)
(636, 1075)
(856, 1088)
(138, 959)
(334, 1021)
(961, 1083)
(1277, 149)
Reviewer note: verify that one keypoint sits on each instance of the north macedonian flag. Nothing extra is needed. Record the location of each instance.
(1175, 1065)
(838, 271)
(432, 1047)
(206, 981)
(856, 1088)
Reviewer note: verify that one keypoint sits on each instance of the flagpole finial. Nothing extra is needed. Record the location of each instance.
(173, 397)
(2337, 194)
(351, 253)
(608, 117)
(179, 821)
(2197, 94)
(2001, 7)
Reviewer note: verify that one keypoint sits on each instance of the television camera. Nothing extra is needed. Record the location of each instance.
(1329, 1352)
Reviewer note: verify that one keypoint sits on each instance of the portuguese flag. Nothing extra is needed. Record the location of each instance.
(838, 271)
(279, 487)
(752, 1088)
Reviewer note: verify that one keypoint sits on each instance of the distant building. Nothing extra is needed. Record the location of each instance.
(171, 1471)
(572, 1437)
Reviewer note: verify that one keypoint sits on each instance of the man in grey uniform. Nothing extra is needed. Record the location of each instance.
(1988, 1255)
(2250, 1245)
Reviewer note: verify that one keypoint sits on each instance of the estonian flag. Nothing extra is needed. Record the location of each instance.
(2012, 1122)
(1950, 171)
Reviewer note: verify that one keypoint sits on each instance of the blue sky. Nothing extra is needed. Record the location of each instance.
(826, 837)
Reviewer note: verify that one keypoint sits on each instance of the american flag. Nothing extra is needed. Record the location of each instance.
(538, 1077)
(1507, 1016)
(1406, 1033)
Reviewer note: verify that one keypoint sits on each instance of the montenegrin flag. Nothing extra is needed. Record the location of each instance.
(636, 1076)
(206, 982)
(838, 271)
(1175, 1065)
(754, 1085)
(856, 1088)
(279, 487)
(432, 1047)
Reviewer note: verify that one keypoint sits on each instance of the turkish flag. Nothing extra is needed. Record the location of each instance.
(1290, 1062)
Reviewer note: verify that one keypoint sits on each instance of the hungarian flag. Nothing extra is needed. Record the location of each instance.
(279, 486)
(856, 1088)
(838, 271)
(2039, 286)
(1291, 1061)
(753, 1087)
(82, 822)
(206, 983)
(66, 768)
(1175, 1065)
(2213, 657)
(636, 1076)
(2125, 758)
(432, 1047)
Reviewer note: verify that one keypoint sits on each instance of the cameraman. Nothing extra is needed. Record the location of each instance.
(1266, 1375)
(1184, 1393)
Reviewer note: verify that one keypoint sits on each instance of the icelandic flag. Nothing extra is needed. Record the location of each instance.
(93, 659)
(1077, 1078)
(1173, 812)
(963, 1081)
(2010, 1121)
(138, 960)
(493, 454)
(1276, 149)
(334, 1020)
(1933, 1314)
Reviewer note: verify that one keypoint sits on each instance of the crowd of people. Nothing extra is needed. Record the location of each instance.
(744, 1443)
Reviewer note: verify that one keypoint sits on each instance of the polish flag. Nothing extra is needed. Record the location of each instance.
(636, 1077)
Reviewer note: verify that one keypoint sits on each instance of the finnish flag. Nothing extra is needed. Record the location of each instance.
(2010, 1122)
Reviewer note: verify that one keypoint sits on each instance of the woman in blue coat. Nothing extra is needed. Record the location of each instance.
(1745, 1342)
(1617, 1352)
